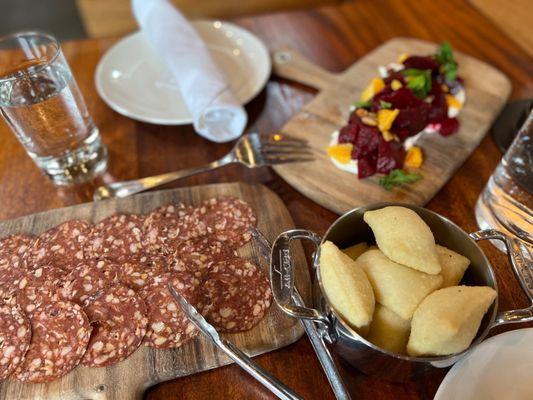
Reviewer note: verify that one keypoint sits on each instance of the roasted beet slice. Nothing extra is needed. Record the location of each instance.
(412, 119)
(394, 75)
(402, 98)
(366, 166)
(390, 156)
(448, 126)
(348, 134)
(439, 107)
(420, 62)
(367, 141)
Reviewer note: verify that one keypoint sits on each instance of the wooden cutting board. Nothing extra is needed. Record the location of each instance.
(129, 379)
(487, 90)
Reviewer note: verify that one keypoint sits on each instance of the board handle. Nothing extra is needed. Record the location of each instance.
(289, 64)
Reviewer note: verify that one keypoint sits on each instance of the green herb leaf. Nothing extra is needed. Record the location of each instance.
(418, 80)
(363, 104)
(398, 177)
(448, 66)
(384, 104)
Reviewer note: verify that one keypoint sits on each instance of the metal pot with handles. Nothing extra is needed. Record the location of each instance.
(349, 229)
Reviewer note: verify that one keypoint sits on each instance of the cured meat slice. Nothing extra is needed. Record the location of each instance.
(140, 271)
(119, 319)
(117, 238)
(168, 326)
(39, 287)
(87, 279)
(166, 226)
(61, 246)
(198, 254)
(60, 334)
(15, 336)
(12, 266)
(238, 295)
(228, 219)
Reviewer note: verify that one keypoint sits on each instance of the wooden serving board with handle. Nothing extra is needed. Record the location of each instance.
(128, 379)
(487, 90)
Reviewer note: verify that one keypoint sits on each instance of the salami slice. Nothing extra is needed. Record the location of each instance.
(87, 279)
(13, 250)
(142, 270)
(119, 318)
(167, 226)
(61, 246)
(198, 254)
(168, 326)
(15, 336)
(39, 287)
(228, 219)
(238, 295)
(117, 238)
(60, 334)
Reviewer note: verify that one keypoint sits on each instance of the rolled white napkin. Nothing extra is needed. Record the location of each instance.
(217, 115)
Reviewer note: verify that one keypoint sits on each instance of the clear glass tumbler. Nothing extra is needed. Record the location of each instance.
(506, 203)
(41, 102)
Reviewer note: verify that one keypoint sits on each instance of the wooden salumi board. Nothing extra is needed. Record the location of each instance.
(128, 379)
(487, 90)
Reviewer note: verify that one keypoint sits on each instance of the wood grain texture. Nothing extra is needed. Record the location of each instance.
(146, 367)
(487, 90)
(515, 18)
(334, 38)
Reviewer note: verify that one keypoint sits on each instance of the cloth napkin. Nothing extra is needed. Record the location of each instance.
(217, 115)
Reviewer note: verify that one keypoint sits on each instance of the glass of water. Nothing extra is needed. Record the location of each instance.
(41, 102)
(506, 203)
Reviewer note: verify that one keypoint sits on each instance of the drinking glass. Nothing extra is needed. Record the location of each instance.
(41, 102)
(506, 203)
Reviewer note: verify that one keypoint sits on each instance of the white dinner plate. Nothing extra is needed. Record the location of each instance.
(500, 368)
(134, 81)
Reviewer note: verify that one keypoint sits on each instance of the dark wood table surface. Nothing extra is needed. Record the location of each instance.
(334, 37)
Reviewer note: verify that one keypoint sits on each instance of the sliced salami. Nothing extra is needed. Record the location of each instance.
(15, 336)
(61, 246)
(140, 271)
(119, 319)
(60, 334)
(38, 287)
(228, 219)
(168, 326)
(13, 250)
(167, 226)
(87, 279)
(118, 238)
(238, 295)
(198, 254)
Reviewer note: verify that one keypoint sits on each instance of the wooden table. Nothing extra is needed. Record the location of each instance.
(334, 37)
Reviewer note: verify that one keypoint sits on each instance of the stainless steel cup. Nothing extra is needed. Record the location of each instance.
(355, 349)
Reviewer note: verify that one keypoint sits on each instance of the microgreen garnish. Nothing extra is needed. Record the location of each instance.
(398, 177)
(418, 80)
(448, 66)
(384, 104)
(363, 104)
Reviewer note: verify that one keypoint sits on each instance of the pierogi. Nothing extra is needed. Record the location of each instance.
(388, 330)
(453, 266)
(397, 287)
(404, 237)
(346, 286)
(448, 319)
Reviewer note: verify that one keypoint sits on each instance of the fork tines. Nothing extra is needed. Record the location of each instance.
(280, 149)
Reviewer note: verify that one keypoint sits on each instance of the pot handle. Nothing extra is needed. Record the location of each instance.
(523, 270)
(282, 275)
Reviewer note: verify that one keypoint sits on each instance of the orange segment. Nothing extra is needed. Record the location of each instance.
(414, 157)
(341, 152)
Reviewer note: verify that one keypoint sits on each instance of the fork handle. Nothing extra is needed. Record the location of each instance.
(127, 188)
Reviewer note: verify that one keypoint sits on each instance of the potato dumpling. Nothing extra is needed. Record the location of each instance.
(356, 250)
(388, 330)
(453, 266)
(346, 285)
(397, 287)
(448, 319)
(404, 237)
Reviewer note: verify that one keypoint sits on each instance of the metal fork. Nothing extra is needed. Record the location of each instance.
(252, 150)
